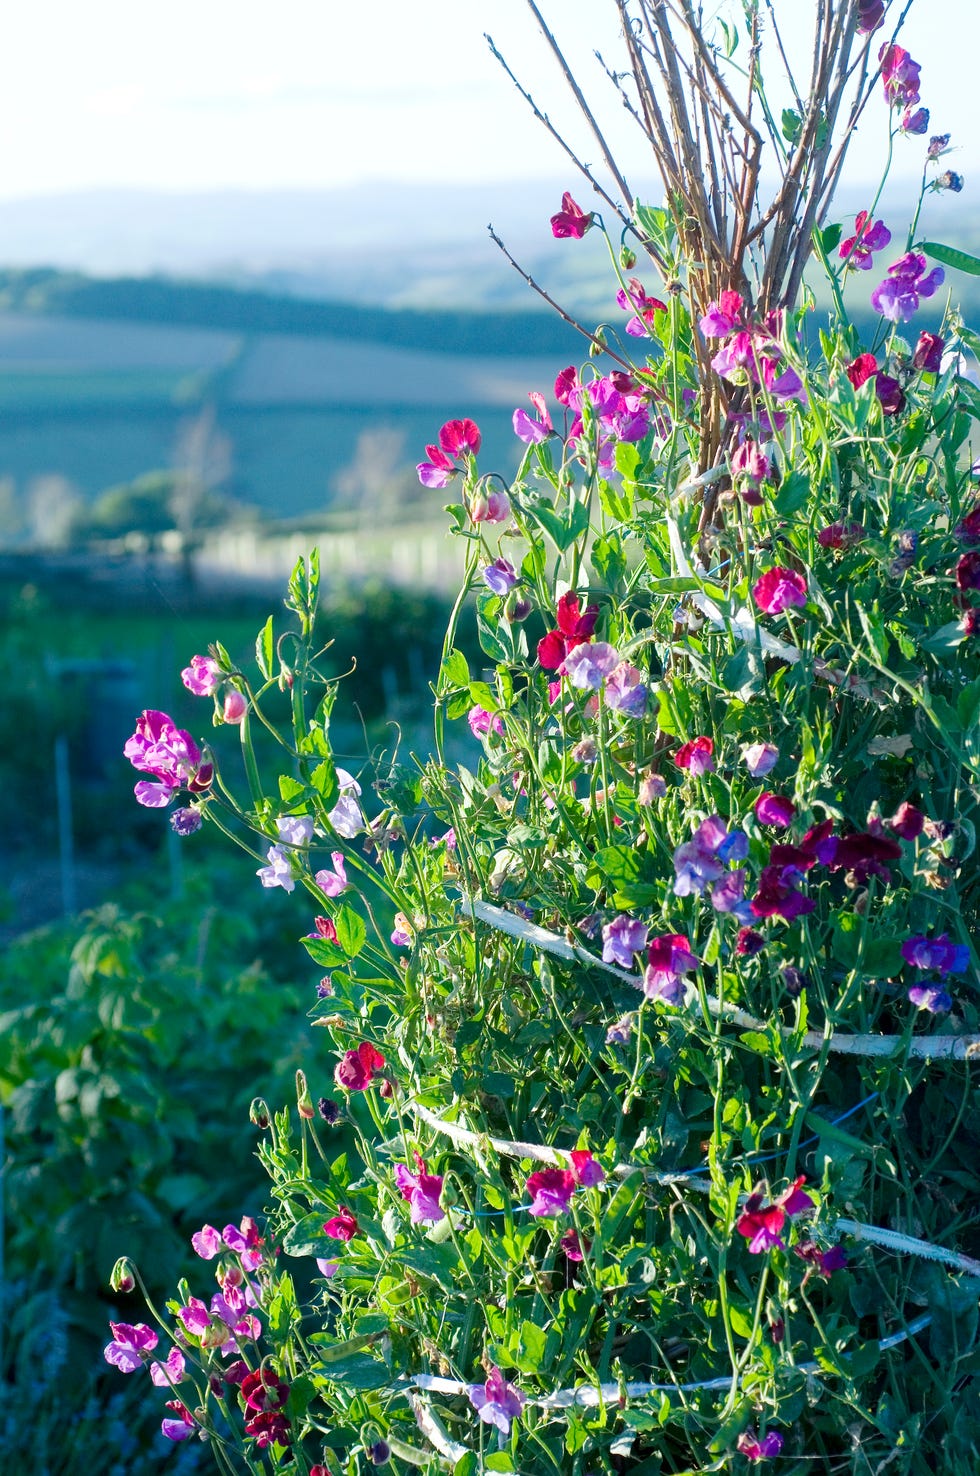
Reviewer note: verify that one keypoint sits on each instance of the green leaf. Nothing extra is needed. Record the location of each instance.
(793, 494)
(324, 781)
(265, 649)
(951, 256)
(290, 789)
(359, 1371)
(531, 1348)
(306, 1237)
(756, 1041)
(324, 953)
(454, 671)
(830, 238)
(499, 1461)
(351, 932)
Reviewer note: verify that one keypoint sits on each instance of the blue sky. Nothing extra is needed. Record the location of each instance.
(205, 94)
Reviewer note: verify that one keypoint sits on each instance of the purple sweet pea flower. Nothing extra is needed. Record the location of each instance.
(899, 75)
(695, 865)
(622, 939)
(728, 895)
(186, 821)
(931, 997)
(619, 1034)
(760, 758)
(625, 691)
(332, 883)
(774, 809)
(897, 297)
(533, 432)
(295, 830)
(423, 1192)
(183, 1427)
(589, 663)
(723, 316)
(500, 577)
(937, 954)
(130, 1346)
(170, 755)
(551, 1191)
(915, 121)
(759, 1450)
(497, 1402)
(279, 870)
(207, 1242)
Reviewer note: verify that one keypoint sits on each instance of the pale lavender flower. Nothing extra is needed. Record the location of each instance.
(619, 1034)
(625, 691)
(500, 577)
(496, 1401)
(165, 1375)
(295, 830)
(346, 817)
(589, 663)
(760, 758)
(623, 938)
(279, 871)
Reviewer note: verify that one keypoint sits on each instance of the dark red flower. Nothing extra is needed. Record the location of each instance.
(749, 942)
(574, 627)
(264, 1390)
(863, 855)
(891, 396)
(968, 571)
(778, 896)
(268, 1428)
(571, 220)
(861, 369)
(907, 821)
(928, 354)
(967, 530)
(839, 535)
(696, 756)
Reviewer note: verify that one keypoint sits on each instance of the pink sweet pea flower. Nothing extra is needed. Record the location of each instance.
(551, 1190)
(760, 1222)
(899, 76)
(871, 14)
(774, 809)
(343, 1226)
(166, 1375)
(533, 432)
(571, 221)
(869, 236)
(207, 1242)
(778, 589)
(669, 957)
(489, 507)
(235, 706)
(332, 883)
(170, 755)
(574, 625)
(358, 1068)
(723, 316)
(202, 676)
(643, 308)
(759, 1450)
(246, 1242)
(588, 1173)
(131, 1345)
(482, 723)
(423, 1192)
(928, 355)
(457, 438)
(697, 756)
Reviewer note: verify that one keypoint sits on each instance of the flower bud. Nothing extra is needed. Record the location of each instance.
(123, 1278)
(304, 1102)
(627, 258)
(598, 344)
(236, 706)
(259, 1113)
(517, 608)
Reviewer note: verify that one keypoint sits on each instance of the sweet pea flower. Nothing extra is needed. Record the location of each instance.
(620, 1032)
(574, 625)
(278, 872)
(332, 883)
(346, 817)
(825, 1263)
(839, 535)
(131, 1345)
(168, 753)
(489, 507)
(861, 369)
(871, 14)
(235, 706)
(931, 997)
(749, 942)
(968, 571)
(907, 821)
(760, 758)
(202, 676)
(589, 663)
(343, 1226)
(622, 939)
(937, 954)
(457, 438)
(496, 1401)
(358, 1068)
(760, 1222)
(723, 316)
(482, 722)
(669, 957)
(183, 1427)
(897, 297)
(295, 830)
(899, 75)
(869, 236)
(727, 895)
(571, 221)
(928, 354)
(533, 432)
(642, 307)
(750, 468)
(402, 934)
(625, 691)
(749, 1444)
(500, 577)
(778, 894)
(246, 1242)
(207, 1242)
(186, 821)
(587, 1172)
(889, 392)
(423, 1192)
(166, 1375)
(551, 1190)
(778, 590)
(697, 756)
(572, 1245)
(915, 121)
(774, 809)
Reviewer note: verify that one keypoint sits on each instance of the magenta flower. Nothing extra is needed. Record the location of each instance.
(862, 855)
(928, 355)
(869, 236)
(750, 468)
(423, 1192)
(589, 663)
(760, 758)
(551, 1190)
(839, 535)
(897, 297)
(749, 942)
(131, 1345)
(166, 1375)
(759, 1450)
(622, 939)
(170, 755)
(574, 625)
(697, 756)
(760, 1222)
(246, 1242)
(968, 571)
(778, 589)
(774, 809)
(357, 1069)
(669, 958)
(587, 1172)
(457, 438)
(572, 1245)
(202, 676)
(642, 307)
(489, 507)
(343, 1226)
(482, 722)
(723, 316)
(778, 894)
(402, 934)
(899, 75)
(571, 221)
(207, 1242)
(332, 883)
(496, 1401)
(907, 821)
(825, 1263)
